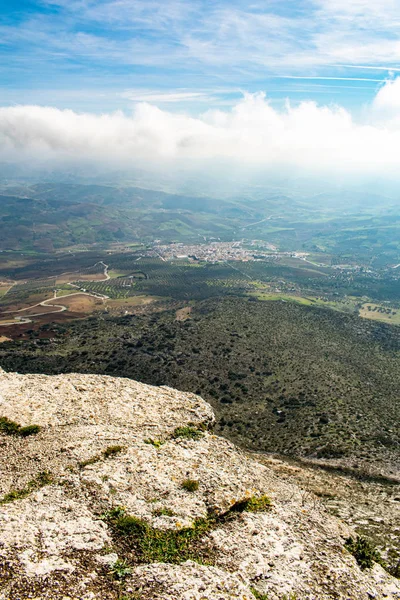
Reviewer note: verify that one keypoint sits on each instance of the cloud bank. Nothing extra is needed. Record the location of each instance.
(253, 134)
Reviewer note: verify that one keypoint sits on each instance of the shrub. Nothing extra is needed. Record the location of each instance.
(364, 551)
(190, 485)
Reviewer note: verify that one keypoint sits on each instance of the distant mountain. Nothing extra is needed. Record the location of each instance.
(49, 216)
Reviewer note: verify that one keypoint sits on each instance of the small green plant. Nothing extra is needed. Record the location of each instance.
(364, 552)
(258, 595)
(42, 479)
(190, 485)
(11, 428)
(253, 504)
(112, 451)
(187, 432)
(155, 443)
(89, 461)
(120, 569)
(163, 512)
(114, 513)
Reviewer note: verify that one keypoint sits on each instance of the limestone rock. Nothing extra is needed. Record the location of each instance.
(56, 542)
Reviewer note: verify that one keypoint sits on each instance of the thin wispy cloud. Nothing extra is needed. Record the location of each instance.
(197, 44)
(324, 77)
(166, 97)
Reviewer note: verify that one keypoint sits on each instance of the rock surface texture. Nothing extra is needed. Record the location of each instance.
(108, 449)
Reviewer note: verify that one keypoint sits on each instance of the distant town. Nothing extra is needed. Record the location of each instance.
(216, 251)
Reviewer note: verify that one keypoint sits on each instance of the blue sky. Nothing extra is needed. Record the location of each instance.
(190, 55)
(289, 86)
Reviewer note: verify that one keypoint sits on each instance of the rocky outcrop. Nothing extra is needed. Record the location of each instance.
(110, 449)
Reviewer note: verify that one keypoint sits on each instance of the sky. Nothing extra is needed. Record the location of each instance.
(279, 82)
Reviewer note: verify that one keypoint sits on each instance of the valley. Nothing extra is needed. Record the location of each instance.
(296, 346)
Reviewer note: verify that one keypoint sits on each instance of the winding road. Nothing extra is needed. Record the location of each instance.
(50, 303)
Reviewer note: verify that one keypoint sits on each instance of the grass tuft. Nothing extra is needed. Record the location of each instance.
(11, 428)
(162, 545)
(190, 485)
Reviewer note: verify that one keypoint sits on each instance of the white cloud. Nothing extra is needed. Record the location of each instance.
(165, 97)
(321, 139)
(387, 100)
(212, 38)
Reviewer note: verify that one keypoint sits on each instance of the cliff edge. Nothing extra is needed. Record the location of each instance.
(112, 489)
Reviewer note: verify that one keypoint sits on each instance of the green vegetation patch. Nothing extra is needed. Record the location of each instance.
(253, 504)
(162, 545)
(190, 485)
(155, 443)
(42, 479)
(187, 432)
(364, 552)
(11, 428)
(109, 452)
(172, 545)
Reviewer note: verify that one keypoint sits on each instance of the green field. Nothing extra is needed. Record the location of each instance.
(43, 218)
